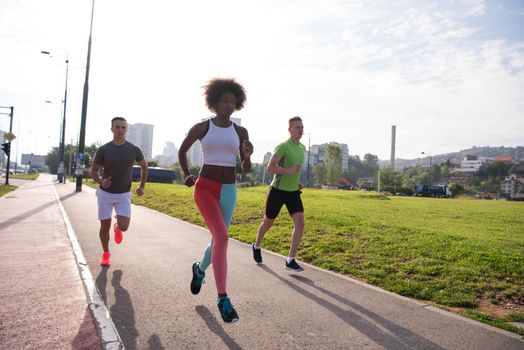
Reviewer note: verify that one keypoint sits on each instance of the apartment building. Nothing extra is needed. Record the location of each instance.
(169, 155)
(513, 187)
(468, 167)
(141, 135)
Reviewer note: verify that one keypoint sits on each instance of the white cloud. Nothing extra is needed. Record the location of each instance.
(350, 68)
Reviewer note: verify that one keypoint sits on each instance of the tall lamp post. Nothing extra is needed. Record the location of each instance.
(81, 142)
(430, 179)
(61, 149)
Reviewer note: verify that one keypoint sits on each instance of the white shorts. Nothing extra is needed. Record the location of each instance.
(106, 201)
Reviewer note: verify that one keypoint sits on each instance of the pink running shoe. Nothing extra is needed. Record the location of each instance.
(105, 259)
(118, 234)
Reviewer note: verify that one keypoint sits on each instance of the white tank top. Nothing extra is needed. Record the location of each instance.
(220, 145)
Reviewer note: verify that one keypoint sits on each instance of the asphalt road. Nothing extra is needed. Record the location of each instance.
(146, 290)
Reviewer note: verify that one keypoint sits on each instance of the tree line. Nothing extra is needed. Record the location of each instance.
(360, 173)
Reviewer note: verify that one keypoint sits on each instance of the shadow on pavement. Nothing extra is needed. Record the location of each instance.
(101, 282)
(67, 196)
(395, 336)
(154, 343)
(215, 327)
(32, 186)
(123, 313)
(25, 215)
(87, 338)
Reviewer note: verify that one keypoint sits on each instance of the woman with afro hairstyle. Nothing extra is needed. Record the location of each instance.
(215, 188)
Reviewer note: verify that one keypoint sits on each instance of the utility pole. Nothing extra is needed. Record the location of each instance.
(62, 139)
(81, 144)
(308, 157)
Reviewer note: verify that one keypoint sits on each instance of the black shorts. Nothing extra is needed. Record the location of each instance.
(277, 198)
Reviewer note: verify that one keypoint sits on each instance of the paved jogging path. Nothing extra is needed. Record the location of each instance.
(146, 291)
(43, 304)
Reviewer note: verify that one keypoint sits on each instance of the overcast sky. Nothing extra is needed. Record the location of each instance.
(448, 74)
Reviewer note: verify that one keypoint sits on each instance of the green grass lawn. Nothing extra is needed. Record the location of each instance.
(24, 176)
(454, 253)
(6, 189)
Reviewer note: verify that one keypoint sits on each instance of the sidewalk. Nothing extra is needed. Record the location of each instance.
(43, 303)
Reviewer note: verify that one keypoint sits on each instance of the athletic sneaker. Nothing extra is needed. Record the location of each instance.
(105, 259)
(293, 265)
(197, 280)
(226, 310)
(118, 234)
(257, 254)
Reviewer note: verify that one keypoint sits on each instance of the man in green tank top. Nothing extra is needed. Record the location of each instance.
(285, 164)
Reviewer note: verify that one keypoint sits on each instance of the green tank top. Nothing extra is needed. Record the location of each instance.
(290, 154)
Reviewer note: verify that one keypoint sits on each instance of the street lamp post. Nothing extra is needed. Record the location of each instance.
(61, 149)
(81, 143)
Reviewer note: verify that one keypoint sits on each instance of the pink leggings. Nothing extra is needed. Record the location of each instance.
(207, 198)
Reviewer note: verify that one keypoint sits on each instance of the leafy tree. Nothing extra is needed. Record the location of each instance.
(51, 160)
(354, 171)
(488, 178)
(52, 157)
(390, 178)
(320, 174)
(333, 163)
(369, 165)
(435, 174)
(179, 174)
(444, 171)
(456, 189)
(152, 163)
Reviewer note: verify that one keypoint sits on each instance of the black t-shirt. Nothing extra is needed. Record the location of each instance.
(117, 162)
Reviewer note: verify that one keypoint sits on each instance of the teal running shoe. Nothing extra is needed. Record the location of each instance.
(197, 280)
(227, 311)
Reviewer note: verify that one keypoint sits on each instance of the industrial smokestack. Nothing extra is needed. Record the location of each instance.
(393, 132)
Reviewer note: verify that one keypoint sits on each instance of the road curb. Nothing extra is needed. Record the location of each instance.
(104, 325)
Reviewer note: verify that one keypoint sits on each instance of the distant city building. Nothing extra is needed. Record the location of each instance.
(267, 157)
(141, 135)
(34, 161)
(472, 164)
(169, 155)
(468, 167)
(317, 152)
(513, 187)
(195, 155)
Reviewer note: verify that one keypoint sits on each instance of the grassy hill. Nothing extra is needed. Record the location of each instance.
(467, 256)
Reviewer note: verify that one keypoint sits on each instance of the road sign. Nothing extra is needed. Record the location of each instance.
(10, 136)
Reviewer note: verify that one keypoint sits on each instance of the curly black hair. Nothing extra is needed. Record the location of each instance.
(214, 89)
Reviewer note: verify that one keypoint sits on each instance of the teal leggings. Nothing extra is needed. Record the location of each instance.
(216, 203)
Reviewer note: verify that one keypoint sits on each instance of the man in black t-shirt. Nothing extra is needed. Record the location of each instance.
(112, 169)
